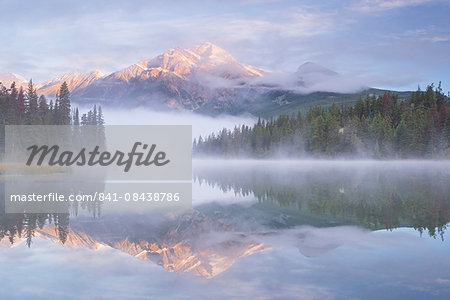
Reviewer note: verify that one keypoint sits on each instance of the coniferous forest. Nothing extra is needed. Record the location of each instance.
(375, 127)
(20, 106)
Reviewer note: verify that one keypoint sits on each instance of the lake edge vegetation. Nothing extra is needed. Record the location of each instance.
(19, 106)
(375, 127)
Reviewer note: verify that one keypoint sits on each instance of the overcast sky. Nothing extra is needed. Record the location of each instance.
(394, 44)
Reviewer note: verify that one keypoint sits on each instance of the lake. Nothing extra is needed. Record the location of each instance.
(257, 229)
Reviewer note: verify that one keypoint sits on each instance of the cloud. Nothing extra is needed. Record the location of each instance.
(319, 79)
(370, 6)
(47, 41)
(107, 38)
(428, 34)
(300, 23)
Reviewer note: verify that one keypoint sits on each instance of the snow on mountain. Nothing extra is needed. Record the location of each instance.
(128, 73)
(204, 78)
(194, 243)
(75, 80)
(202, 59)
(8, 78)
(214, 59)
(185, 79)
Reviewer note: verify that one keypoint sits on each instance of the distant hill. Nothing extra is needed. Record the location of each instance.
(277, 102)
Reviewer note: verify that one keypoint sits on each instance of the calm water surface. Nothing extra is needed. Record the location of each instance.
(258, 229)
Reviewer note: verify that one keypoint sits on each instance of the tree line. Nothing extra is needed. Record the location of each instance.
(377, 127)
(19, 106)
(374, 199)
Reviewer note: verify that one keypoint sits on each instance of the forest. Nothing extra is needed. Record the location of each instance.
(374, 127)
(375, 198)
(19, 106)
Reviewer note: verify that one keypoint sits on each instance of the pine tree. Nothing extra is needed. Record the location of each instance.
(94, 115)
(317, 136)
(20, 107)
(76, 117)
(84, 120)
(446, 134)
(32, 108)
(13, 102)
(44, 110)
(429, 100)
(359, 108)
(100, 122)
(442, 117)
(402, 139)
(64, 105)
(100, 118)
(56, 115)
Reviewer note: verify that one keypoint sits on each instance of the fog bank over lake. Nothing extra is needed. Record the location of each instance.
(201, 124)
(317, 163)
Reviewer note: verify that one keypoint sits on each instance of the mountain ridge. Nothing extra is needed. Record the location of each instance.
(205, 79)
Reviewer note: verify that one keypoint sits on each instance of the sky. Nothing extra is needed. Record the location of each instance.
(396, 44)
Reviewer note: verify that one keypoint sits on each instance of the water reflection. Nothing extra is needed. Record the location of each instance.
(370, 194)
(314, 207)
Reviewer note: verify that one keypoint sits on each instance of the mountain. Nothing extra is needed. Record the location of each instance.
(179, 78)
(313, 68)
(209, 80)
(7, 78)
(206, 59)
(204, 241)
(193, 243)
(74, 79)
(310, 73)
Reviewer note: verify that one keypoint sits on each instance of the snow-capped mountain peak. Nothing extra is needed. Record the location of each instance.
(211, 52)
(177, 60)
(75, 80)
(8, 78)
(216, 60)
(204, 77)
(177, 69)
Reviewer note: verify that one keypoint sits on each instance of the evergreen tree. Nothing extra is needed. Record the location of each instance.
(402, 139)
(379, 127)
(100, 118)
(76, 117)
(43, 110)
(32, 108)
(64, 105)
(84, 120)
(20, 107)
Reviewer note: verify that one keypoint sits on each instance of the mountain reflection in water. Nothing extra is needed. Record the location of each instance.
(312, 206)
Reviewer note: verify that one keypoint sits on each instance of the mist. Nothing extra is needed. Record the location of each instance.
(201, 124)
(315, 82)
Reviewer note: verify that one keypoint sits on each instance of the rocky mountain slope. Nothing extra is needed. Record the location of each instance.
(204, 78)
(179, 78)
